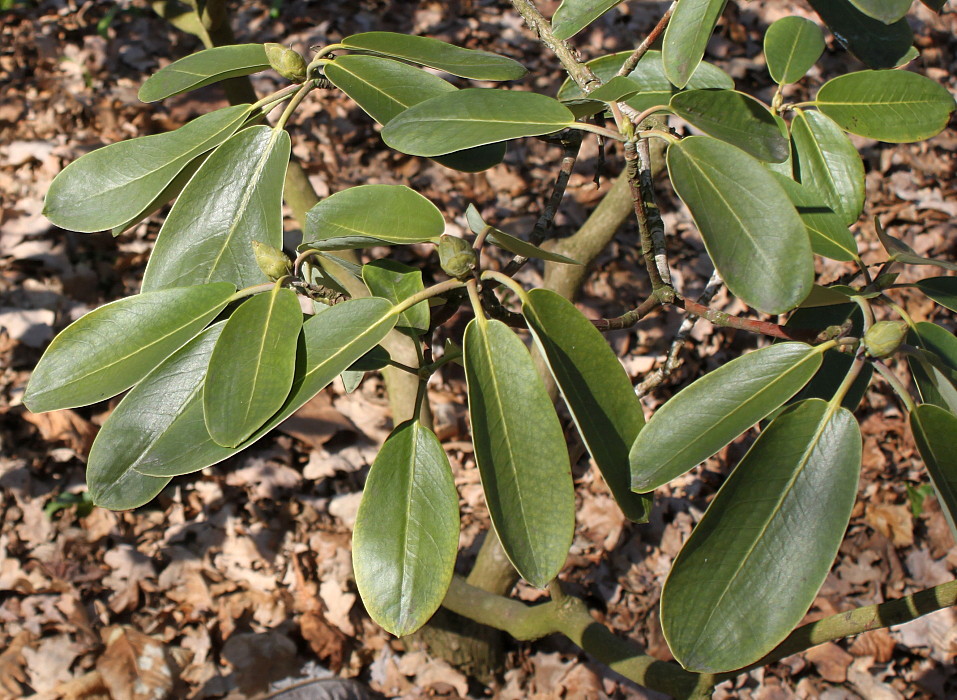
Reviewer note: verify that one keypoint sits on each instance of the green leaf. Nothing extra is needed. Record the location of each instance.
(886, 11)
(509, 242)
(252, 366)
(204, 68)
(111, 348)
(371, 215)
(935, 432)
(616, 89)
(169, 193)
(687, 35)
(473, 117)
(235, 198)
(574, 15)
(465, 63)
(711, 412)
(828, 379)
(735, 118)
(791, 46)
(828, 164)
(829, 235)
(384, 88)
(114, 184)
(650, 74)
(520, 451)
(329, 344)
(407, 531)
(396, 282)
(596, 389)
(892, 105)
(943, 290)
(935, 366)
(751, 230)
(878, 45)
(144, 414)
(899, 251)
(753, 565)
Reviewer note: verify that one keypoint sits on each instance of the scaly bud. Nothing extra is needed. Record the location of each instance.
(884, 337)
(272, 261)
(288, 63)
(456, 256)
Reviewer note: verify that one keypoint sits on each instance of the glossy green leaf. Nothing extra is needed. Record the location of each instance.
(596, 389)
(791, 46)
(893, 105)
(204, 68)
(943, 290)
(144, 414)
(396, 282)
(878, 45)
(752, 232)
(235, 198)
(465, 63)
(650, 74)
(753, 565)
(886, 11)
(618, 88)
(935, 367)
(168, 194)
(687, 35)
(829, 235)
(828, 379)
(901, 252)
(828, 164)
(370, 215)
(735, 118)
(252, 367)
(407, 531)
(384, 88)
(520, 451)
(711, 412)
(111, 348)
(511, 243)
(574, 15)
(329, 344)
(114, 184)
(935, 432)
(473, 117)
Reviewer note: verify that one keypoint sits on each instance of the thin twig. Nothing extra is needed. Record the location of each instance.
(632, 62)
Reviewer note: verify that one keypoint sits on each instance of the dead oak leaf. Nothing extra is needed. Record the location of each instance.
(135, 666)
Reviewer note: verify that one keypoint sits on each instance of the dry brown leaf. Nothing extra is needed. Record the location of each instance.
(264, 479)
(878, 644)
(134, 666)
(830, 661)
(327, 642)
(131, 571)
(65, 426)
(12, 673)
(182, 581)
(338, 605)
(260, 659)
(869, 686)
(317, 422)
(895, 522)
(48, 662)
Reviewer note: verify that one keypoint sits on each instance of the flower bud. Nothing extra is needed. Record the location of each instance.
(456, 256)
(288, 63)
(272, 261)
(884, 337)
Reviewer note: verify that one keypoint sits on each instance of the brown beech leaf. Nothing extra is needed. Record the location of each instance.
(66, 426)
(878, 644)
(831, 661)
(11, 665)
(134, 665)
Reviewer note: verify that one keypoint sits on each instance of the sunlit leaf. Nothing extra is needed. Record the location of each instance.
(687, 37)
(111, 348)
(791, 46)
(252, 367)
(943, 290)
(385, 88)
(235, 198)
(754, 564)
(329, 344)
(828, 164)
(371, 215)
(829, 235)
(204, 68)
(893, 105)
(735, 118)
(114, 184)
(520, 451)
(596, 389)
(396, 282)
(887, 11)
(144, 414)
(751, 230)
(473, 117)
(465, 63)
(935, 432)
(574, 15)
(407, 531)
(711, 412)
(935, 366)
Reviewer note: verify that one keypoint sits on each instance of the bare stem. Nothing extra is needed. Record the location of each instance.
(629, 65)
(576, 69)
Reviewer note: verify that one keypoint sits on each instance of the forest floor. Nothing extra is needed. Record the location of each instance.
(239, 577)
